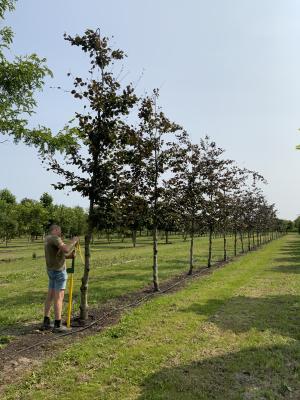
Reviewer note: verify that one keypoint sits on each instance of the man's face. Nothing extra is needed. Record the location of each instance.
(57, 231)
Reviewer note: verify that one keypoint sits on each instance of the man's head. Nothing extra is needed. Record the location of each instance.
(55, 230)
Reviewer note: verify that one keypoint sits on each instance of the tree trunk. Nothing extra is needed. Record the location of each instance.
(209, 247)
(235, 242)
(249, 242)
(85, 278)
(242, 241)
(192, 250)
(167, 236)
(224, 247)
(133, 238)
(155, 265)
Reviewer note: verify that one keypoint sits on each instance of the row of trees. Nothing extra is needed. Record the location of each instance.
(123, 153)
(32, 218)
(148, 168)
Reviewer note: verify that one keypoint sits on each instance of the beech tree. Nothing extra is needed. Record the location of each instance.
(237, 220)
(213, 167)
(94, 147)
(156, 134)
(169, 216)
(231, 183)
(134, 214)
(189, 187)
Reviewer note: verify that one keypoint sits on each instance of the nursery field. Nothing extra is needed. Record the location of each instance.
(117, 269)
(233, 334)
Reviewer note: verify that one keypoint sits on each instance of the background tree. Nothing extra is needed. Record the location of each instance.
(156, 133)
(169, 216)
(33, 218)
(134, 214)
(231, 183)
(20, 78)
(213, 167)
(46, 200)
(7, 196)
(8, 221)
(188, 186)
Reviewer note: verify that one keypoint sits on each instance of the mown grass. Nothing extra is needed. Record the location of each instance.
(117, 269)
(231, 335)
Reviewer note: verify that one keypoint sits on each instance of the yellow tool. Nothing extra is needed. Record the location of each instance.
(71, 280)
(70, 271)
(80, 252)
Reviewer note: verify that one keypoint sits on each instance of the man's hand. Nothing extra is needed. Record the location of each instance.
(71, 255)
(75, 239)
(68, 248)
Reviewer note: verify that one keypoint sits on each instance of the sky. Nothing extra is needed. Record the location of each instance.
(229, 69)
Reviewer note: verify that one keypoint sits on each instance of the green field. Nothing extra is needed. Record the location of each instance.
(231, 335)
(117, 269)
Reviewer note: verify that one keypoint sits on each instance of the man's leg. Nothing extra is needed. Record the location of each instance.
(48, 302)
(58, 303)
(59, 292)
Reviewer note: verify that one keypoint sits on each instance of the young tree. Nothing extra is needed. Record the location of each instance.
(169, 216)
(94, 147)
(189, 185)
(151, 161)
(213, 168)
(231, 182)
(134, 214)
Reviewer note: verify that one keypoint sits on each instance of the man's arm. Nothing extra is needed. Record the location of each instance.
(68, 248)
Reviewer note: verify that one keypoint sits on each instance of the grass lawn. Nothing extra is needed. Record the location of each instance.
(116, 269)
(231, 335)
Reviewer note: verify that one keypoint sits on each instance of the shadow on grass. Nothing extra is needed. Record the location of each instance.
(278, 314)
(290, 269)
(254, 373)
(291, 248)
(289, 253)
(290, 259)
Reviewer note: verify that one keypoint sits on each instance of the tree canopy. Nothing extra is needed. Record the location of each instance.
(20, 78)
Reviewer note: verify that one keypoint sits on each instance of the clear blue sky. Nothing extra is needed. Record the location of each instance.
(226, 68)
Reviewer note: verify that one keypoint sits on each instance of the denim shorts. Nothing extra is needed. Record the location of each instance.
(57, 279)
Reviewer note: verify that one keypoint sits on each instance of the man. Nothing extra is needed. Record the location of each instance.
(56, 253)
